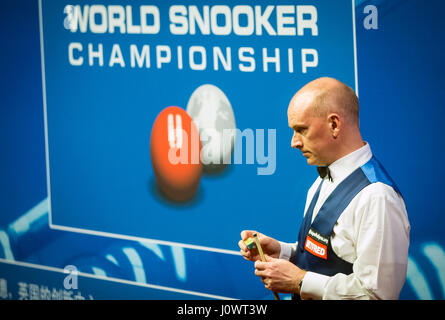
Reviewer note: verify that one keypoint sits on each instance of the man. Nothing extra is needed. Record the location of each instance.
(354, 238)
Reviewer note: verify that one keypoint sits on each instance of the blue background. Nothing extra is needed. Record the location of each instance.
(400, 69)
(100, 119)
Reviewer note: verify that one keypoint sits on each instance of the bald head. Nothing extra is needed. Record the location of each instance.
(324, 117)
(328, 95)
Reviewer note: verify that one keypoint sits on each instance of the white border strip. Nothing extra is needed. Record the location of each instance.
(42, 58)
(87, 275)
(120, 236)
(355, 47)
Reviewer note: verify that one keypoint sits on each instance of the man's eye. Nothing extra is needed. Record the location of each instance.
(302, 131)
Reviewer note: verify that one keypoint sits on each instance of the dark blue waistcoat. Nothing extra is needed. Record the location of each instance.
(314, 252)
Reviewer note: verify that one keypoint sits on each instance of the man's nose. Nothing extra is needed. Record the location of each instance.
(296, 141)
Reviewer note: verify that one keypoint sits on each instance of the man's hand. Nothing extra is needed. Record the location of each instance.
(279, 275)
(269, 245)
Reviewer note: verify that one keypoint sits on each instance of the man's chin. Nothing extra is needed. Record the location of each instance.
(310, 161)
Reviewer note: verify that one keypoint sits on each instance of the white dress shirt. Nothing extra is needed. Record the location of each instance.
(372, 233)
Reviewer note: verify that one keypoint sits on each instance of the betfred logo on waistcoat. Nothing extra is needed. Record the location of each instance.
(317, 244)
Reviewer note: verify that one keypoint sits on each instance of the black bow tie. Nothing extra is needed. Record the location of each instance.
(324, 172)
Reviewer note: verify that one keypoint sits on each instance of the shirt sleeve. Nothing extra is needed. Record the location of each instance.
(379, 270)
(287, 250)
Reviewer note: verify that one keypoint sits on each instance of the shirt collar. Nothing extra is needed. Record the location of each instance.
(344, 166)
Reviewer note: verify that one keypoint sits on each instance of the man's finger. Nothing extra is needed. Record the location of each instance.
(246, 234)
(266, 283)
(259, 265)
(242, 245)
(246, 255)
(260, 273)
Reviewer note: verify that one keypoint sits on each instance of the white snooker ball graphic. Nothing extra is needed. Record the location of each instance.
(213, 115)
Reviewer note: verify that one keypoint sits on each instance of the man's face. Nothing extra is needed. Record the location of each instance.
(311, 133)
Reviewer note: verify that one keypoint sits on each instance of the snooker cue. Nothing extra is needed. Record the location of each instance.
(260, 250)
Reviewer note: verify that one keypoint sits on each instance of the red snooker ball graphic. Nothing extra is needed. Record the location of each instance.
(175, 149)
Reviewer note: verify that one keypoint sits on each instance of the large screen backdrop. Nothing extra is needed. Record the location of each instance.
(126, 82)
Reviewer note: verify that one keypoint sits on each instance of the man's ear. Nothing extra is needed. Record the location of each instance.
(334, 124)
